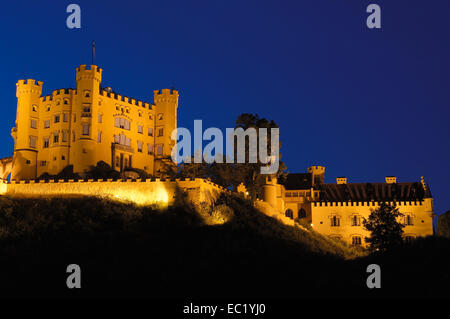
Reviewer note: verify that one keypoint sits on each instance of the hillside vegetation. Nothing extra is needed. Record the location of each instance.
(129, 250)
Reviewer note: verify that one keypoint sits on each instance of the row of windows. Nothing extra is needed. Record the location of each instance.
(357, 239)
(160, 116)
(300, 194)
(335, 221)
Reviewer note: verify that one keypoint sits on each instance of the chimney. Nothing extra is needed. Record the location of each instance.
(341, 180)
(391, 179)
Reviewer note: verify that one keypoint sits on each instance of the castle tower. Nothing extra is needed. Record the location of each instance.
(166, 104)
(25, 133)
(84, 118)
(270, 191)
(318, 174)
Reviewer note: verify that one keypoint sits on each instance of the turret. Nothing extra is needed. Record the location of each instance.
(84, 115)
(25, 133)
(270, 191)
(166, 104)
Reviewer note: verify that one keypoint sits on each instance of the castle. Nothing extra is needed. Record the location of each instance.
(88, 124)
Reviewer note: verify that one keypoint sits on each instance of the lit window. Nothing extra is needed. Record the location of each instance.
(65, 117)
(356, 240)
(161, 131)
(46, 123)
(335, 221)
(150, 131)
(85, 129)
(409, 220)
(139, 146)
(356, 221)
(100, 118)
(150, 149)
(46, 142)
(33, 141)
(140, 129)
(57, 118)
(33, 123)
(99, 136)
(64, 136)
(159, 150)
(288, 194)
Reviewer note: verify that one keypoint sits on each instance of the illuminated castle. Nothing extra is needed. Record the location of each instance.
(88, 124)
(337, 209)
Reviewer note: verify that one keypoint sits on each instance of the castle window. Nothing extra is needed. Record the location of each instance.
(150, 131)
(301, 213)
(150, 117)
(74, 117)
(73, 136)
(57, 118)
(356, 240)
(150, 149)
(128, 110)
(34, 108)
(58, 102)
(33, 123)
(335, 221)
(56, 138)
(65, 117)
(64, 136)
(409, 220)
(289, 213)
(125, 162)
(87, 93)
(122, 123)
(161, 131)
(43, 163)
(63, 157)
(46, 123)
(140, 114)
(295, 194)
(139, 146)
(48, 108)
(85, 129)
(46, 142)
(140, 129)
(356, 220)
(99, 136)
(28, 162)
(117, 161)
(86, 109)
(66, 102)
(100, 118)
(159, 150)
(33, 141)
(160, 116)
(288, 194)
(122, 140)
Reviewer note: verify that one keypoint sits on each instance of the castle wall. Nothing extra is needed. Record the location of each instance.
(322, 214)
(140, 192)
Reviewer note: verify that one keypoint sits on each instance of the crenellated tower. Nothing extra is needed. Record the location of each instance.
(83, 119)
(25, 133)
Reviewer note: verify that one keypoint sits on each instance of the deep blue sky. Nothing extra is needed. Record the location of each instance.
(364, 103)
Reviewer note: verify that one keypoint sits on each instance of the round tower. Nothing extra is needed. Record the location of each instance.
(165, 110)
(270, 191)
(25, 133)
(84, 118)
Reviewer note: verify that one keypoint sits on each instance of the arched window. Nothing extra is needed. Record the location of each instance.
(289, 213)
(301, 213)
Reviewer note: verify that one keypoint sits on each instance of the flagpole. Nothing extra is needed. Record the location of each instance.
(93, 52)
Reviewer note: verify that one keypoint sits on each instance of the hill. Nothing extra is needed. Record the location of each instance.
(129, 250)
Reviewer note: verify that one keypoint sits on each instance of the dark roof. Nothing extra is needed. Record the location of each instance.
(297, 181)
(373, 191)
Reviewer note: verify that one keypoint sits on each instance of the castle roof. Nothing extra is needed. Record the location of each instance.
(373, 191)
(297, 181)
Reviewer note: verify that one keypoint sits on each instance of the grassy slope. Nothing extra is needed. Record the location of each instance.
(125, 250)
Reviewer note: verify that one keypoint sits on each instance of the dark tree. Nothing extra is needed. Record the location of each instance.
(443, 225)
(385, 230)
(102, 171)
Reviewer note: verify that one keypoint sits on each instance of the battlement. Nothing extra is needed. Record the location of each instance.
(84, 68)
(316, 169)
(165, 95)
(366, 203)
(86, 73)
(126, 99)
(29, 86)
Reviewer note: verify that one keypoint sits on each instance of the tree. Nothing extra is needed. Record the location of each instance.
(385, 230)
(102, 171)
(443, 225)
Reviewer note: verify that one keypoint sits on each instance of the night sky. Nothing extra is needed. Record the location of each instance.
(364, 103)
